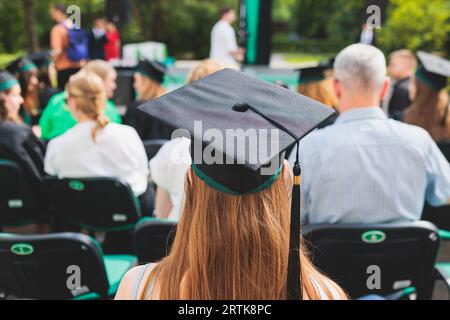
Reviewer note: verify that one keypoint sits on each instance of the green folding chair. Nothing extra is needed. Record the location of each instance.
(59, 267)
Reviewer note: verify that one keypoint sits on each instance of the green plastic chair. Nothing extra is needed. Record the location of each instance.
(61, 266)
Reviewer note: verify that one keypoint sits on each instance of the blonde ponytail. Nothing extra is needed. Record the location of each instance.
(101, 122)
(89, 91)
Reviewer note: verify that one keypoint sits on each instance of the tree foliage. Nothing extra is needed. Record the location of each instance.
(184, 25)
(417, 24)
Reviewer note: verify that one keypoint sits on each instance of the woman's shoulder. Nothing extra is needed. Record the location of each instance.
(9, 127)
(131, 286)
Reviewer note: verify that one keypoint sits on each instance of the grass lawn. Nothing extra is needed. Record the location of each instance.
(5, 58)
(306, 57)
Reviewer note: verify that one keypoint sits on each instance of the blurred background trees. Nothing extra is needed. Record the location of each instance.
(308, 26)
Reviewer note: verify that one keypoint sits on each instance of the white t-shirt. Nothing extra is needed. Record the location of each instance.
(117, 152)
(168, 171)
(223, 42)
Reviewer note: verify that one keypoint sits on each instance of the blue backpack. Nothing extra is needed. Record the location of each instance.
(78, 45)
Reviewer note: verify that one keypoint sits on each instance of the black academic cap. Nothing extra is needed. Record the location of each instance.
(7, 81)
(41, 58)
(152, 69)
(312, 74)
(433, 70)
(21, 65)
(226, 104)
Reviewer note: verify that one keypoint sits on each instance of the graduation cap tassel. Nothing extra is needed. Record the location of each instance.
(294, 287)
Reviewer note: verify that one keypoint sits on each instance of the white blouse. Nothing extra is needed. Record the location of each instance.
(117, 152)
(168, 170)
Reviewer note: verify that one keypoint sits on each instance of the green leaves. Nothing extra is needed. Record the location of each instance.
(417, 24)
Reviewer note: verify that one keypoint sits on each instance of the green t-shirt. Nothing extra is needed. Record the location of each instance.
(56, 119)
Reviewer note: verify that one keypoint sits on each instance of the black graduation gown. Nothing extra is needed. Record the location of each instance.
(19, 144)
(146, 127)
(400, 97)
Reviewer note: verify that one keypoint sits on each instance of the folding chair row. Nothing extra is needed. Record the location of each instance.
(98, 204)
(95, 204)
(363, 259)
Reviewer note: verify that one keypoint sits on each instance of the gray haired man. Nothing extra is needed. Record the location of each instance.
(367, 168)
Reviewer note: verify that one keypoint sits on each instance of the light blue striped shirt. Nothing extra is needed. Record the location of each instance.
(367, 168)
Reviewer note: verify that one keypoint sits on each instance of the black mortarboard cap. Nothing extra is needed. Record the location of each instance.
(312, 74)
(7, 81)
(41, 58)
(21, 65)
(229, 104)
(152, 69)
(433, 71)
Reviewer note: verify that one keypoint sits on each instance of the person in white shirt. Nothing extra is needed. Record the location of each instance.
(95, 147)
(169, 167)
(224, 47)
(168, 171)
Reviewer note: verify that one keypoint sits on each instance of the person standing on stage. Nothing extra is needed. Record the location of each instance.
(224, 47)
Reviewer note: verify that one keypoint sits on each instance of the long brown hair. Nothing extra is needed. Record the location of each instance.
(30, 92)
(430, 110)
(89, 91)
(205, 68)
(320, 91)
(233, 248)
(151, 90)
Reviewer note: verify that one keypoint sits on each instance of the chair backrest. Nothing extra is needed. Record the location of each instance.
(444, 146)
(402, 255)
(125, 93)
(96, 204)
(152, 147)
(440, 216)
(56, 266)
(18, 203)
(153, 239)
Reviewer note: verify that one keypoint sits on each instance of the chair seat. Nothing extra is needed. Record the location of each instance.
(116, 267)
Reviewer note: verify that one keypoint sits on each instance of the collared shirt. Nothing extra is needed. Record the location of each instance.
(223, 42)
(116, 152)
(367, 168)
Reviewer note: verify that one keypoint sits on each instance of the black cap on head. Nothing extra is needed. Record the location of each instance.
(433, 71)
(41, 59)
(312, 74)
(21, 65)
(7, 81)
(152, 70)
(240, 128)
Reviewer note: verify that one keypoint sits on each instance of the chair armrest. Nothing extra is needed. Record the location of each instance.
(402, 294)
(444, 235)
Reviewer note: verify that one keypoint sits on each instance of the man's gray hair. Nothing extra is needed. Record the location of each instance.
(361, 67)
